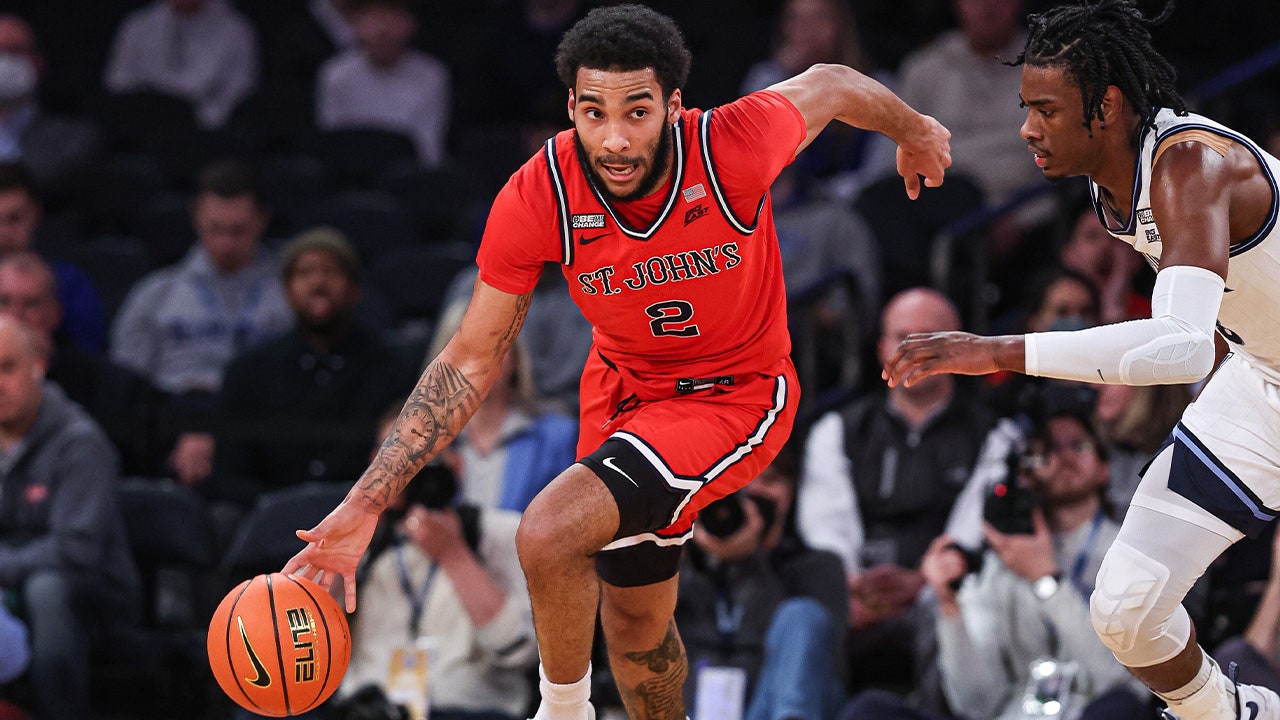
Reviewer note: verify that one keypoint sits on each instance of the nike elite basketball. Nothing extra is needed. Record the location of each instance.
(279, 645)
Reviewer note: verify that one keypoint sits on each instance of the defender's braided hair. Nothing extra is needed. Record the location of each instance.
(1105, 42)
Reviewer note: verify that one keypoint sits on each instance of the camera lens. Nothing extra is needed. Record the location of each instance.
(723, 517)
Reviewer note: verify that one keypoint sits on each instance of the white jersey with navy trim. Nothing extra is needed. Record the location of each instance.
(1250, 315)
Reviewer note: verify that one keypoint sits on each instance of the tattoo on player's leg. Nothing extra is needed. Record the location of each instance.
(661, 697)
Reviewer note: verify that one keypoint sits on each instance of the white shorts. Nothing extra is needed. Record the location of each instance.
(1225, 472)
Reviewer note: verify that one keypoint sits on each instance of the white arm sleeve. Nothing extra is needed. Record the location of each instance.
(1174, 345)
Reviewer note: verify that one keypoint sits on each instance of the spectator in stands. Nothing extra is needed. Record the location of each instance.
(1111, 266)
(959, 79)
(323, 30)
(21, 218)
(1016, 635)
(302, 405)
(122, 402)
(15, 655)
(514, 41)
(384, 83)
(446, 574)
(819, 238)
(15, 651)
(63, 550)
(880, 478)
(1256, 651)
(61, 151)
(824, 31)
(204, 51)
(759, 607)
(1134, 421)
(1055, 298)
(555, 333)
(180, 325)
(515, 443)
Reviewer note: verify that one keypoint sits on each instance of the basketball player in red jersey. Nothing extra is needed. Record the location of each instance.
(660, 218)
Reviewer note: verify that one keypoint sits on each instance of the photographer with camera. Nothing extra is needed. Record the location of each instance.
(762, 616)
(441, 591)
(1015, 640)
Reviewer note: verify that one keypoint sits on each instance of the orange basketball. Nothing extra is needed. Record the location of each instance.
(279, 645)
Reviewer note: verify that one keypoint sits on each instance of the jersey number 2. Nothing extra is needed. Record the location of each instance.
(671, 317)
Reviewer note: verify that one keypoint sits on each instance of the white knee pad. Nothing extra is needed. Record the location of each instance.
(1131, 612)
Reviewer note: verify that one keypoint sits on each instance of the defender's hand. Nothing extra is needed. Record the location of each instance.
(923, 354)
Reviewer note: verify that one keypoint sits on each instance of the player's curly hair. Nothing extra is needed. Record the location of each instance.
(1101, 43)
(624, 38)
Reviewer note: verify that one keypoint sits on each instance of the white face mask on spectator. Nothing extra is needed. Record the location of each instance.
(17, 78)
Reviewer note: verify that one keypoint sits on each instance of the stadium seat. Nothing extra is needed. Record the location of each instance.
(172, 545)
(439, 199)
(906, 229)
(414, 280)
(291, 183)
(356, 157)
(374, 221)
(114, 263)
(265, 539)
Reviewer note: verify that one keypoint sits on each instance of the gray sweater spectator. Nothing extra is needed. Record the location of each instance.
(63, 550)
(202, 50)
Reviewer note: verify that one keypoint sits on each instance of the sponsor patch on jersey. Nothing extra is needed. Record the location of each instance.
(587, 220)
(1145, 216)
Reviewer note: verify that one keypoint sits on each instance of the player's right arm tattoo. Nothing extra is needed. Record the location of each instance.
(440, 405)
(517, 321)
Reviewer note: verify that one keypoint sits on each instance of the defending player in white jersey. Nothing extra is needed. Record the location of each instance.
(1200, 200)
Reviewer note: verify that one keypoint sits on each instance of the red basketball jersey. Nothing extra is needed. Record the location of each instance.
(685, 283)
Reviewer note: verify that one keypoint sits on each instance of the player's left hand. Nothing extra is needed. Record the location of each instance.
(926, 153)
(334, 548)
(923, 354)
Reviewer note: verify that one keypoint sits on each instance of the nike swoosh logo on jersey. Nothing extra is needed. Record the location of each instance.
(608, 462)
(584, 240)
(263, 679)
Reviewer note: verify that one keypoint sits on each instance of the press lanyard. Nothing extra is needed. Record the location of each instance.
(1077, 578)
(417, 598)
(728, 620)
(1082, 557)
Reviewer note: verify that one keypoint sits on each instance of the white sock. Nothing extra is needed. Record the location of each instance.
(567, 701)
(1206, 697)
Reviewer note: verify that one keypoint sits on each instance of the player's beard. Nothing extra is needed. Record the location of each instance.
(658, 165)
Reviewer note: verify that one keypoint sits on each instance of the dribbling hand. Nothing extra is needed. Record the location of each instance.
(334, 548)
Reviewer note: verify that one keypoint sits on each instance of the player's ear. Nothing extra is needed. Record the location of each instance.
(673, 106)
(1109, 107)
(573, 101)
